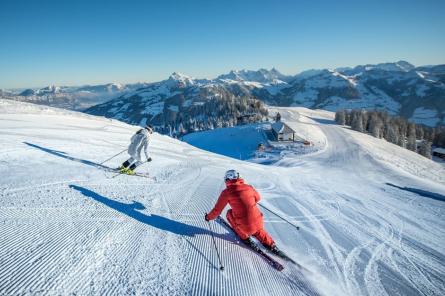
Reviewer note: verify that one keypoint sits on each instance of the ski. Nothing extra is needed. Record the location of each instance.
(282, 255)
(135, 174)
(275, 264)
(118, 173)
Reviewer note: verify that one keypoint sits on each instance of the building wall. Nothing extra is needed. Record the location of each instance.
(439, 155)
(285, 137)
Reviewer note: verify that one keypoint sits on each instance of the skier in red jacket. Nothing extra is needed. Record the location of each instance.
(244, 215)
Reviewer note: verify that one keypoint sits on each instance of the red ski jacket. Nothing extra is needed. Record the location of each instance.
(242, 198)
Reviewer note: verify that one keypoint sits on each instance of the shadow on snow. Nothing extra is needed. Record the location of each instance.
(132, 210)
(425, 193)
(159, 222)
(324, 121)
(64, 155)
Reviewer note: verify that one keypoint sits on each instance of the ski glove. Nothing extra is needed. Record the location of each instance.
(206, 218)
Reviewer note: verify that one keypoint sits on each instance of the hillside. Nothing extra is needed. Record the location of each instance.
(371, 213)
(182, 104)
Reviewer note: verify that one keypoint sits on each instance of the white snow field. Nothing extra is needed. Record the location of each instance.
(371, 214)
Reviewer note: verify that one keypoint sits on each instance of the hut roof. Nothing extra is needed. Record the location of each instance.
(439, 150)
(281, 127)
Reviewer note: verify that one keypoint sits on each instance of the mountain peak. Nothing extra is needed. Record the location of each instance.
(261, 75)
(179, 76)
(400, 66)
(179, 79)
(405, 65)
(51, 89)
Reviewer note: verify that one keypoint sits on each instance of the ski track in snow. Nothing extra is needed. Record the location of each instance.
(67, 228)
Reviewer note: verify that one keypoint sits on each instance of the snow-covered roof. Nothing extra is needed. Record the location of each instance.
(439, 150)
(281, 127)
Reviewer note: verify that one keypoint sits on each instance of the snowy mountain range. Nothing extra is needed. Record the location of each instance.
(416, 93)
(70, 97)
(261, 76)
(400, 88)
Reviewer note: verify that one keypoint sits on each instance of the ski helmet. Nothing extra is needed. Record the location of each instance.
(231, 175)
(149, 127)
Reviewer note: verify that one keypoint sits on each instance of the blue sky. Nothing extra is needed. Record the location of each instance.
(89, 42)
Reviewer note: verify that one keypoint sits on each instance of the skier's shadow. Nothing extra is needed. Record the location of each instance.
(162, 223)
(64, 155)
(133, 210)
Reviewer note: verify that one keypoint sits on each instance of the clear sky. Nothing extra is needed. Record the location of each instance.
(77, 42)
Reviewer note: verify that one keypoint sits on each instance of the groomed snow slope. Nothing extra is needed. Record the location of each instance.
(367, 228)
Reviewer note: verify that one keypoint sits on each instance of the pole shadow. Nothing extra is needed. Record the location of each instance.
(65, 156)
(421, 192)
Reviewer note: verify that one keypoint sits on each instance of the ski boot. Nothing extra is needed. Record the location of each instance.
(127, 171)
(249, 241)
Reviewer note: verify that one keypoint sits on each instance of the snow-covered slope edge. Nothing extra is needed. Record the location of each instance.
(317, 124)
(66, 228)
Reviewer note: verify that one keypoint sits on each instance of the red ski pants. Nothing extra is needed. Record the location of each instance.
(261, 235)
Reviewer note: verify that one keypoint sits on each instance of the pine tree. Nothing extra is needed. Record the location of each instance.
(365, 119)
(419, 132)
(425, 149)
(340, 117)
(411, 137)
(357, 122)
(391, 133)
(375, 126)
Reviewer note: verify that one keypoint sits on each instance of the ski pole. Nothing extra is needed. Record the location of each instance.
(216, 248)
(298, 227)
(113, 156)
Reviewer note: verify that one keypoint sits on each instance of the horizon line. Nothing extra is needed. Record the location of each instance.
(205, 78)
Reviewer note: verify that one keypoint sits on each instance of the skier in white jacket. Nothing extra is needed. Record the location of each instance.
(139, 141)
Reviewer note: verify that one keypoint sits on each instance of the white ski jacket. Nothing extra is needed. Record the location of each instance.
(139, 141)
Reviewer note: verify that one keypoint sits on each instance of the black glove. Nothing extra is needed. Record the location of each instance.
(206, 217)
(149, 159)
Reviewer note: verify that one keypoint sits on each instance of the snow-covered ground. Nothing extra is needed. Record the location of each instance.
(371, 219)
